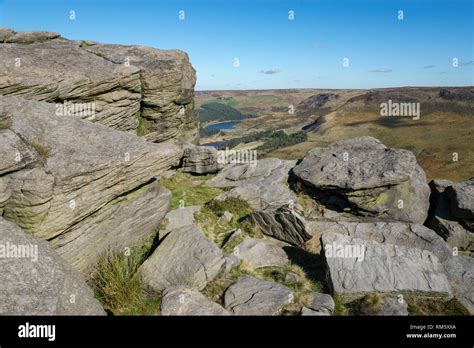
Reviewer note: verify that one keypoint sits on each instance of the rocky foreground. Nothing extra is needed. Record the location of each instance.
(348, 223)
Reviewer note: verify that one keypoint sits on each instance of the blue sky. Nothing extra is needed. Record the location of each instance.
(273, 51)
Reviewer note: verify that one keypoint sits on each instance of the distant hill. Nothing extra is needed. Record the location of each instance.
(218, 112)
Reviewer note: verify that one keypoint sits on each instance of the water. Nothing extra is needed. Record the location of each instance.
(215, 144)
(223, 125)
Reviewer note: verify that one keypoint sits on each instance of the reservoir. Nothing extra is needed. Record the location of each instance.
(223, 125)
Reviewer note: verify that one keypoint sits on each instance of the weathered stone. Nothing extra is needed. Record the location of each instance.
(249, 194)
(39, 282)
(460, 271)
(227, 216)
(259, 253)
(269, 174)
(456, 231)
(322, 303)
(283, 223)
(200, 160)
(89, 183)
(188, 301)
(252, 296)
(397, 233)
(461, 196)
(231, 236)
(108, 84)
(363, 176)
(178, 218)
(184, 257)
(293, 277)
(383, 268)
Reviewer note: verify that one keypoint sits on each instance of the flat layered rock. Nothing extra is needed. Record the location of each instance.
(250, 194)
(396, 233)
(252, 296)
(185, 257)
(120, 81)
(363, 176)
(259, 253)
(75, 177)
(36, 281)
(187, 301)
(460, 271)
(356, 267)
(322, 303)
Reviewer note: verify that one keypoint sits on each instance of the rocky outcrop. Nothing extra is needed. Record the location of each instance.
(36, 281)
(356, 267)
(200, 160)
(185, 257)
(321, 304)
(252, 296)
(451, 212)
(133, 88)
(283, 223)
(187, 301)
(366, 178)
(82, 186)
(460, 271)
(250, 194)
(259, 253)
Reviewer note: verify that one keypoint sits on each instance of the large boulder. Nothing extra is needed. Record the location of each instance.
(36, 281)
(200, 160)
(259, 253)
(284, 223)
(398, 233)
(253, 296)
(368, 179)
(451, 206)
(178, 218)
(118, 82)
(356, 267)
(82, 186)
(184, 257)
(460, 271)
(179, 300)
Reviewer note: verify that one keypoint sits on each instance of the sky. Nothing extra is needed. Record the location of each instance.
(267, 44)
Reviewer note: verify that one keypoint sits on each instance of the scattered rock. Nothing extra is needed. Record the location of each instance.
(322, 303)
(178, 218)
(282, 223)
(252, 296)
(41, 284)
(305, 311)
(382, 268)
(227, 216)
(187, 301)
(231, 236)
(293, 277)
(185, 257)
(200, 160)
(259, 253)
(363, 176)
